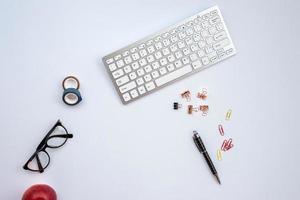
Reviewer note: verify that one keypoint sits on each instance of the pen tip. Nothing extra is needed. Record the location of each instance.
(218, 179)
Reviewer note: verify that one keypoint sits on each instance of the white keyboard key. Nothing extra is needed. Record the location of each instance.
(221, 44)
(134, 49)
(173, 47)
(171, 58)
(118, 73)
(158, 55)
(126, 97)
(117, 57)
(151, 49)
(112, 67)
(209, 40)
(181, 44)
(134, 93)
(194, 47)
(215, 19)
(110, 60)
(163, 61)
(201, 44)
(197, 64)
(142, 90)
(189, 40)
(166, 42)
(173, 75)
(212, 30)
(143, 53)
(120, 63)
(201, 53)
(150, 58)
(205, 61)
(128, 60)
(140, 81)
(170, 67)
(158, 45)
(186, 51)
(132, 75)
(185, 60)
(126, 53)
(147, 78)
(166, 51)
(155, 65)
(193, 57)
(122, 80)
(142, 62)
(150, 86)
(178, 63)
(135, 65)
(174, 38)
(142, 46)
(178, 54)
(127, 69)
(140, 72)
(155, 74)
(220, 36)
(127, 87)
(148, 69)
(163, 70)
(204, 33)
(135, 56)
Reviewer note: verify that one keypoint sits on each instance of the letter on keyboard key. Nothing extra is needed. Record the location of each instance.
(150, 86)
(173, 75)
(127, 87)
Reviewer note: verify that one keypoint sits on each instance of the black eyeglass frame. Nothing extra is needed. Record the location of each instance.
(44, 145)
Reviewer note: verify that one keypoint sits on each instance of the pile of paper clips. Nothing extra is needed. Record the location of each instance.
(227, 143)
(190, 108)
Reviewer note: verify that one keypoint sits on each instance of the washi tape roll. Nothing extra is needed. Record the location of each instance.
(71, 82)
(71, 96)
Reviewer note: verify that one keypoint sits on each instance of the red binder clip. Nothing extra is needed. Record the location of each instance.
(227, 145)
(204, 109)
(186, 95)
(221, 130)
(191, 109)
(202, 95)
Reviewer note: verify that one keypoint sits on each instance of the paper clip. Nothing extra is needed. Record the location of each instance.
(226, 145)
(191, 109)
(202, 95)
(204, 109)
(176, 105)
(186, 95)
(219, 154)
(221, 130)
(228, 114)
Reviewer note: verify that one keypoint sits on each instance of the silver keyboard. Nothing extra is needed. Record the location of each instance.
(171, 54)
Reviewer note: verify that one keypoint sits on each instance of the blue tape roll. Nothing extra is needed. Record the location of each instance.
(71, 96)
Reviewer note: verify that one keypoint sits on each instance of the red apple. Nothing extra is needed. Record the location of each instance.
(40, 192)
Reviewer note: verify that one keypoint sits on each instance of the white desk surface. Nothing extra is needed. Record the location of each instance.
(145, 150)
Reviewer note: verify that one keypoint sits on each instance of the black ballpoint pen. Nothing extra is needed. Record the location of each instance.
(202, 149)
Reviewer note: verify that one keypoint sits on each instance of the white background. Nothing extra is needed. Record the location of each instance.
(145, 150)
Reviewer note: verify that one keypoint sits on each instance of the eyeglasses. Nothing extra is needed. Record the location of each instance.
(55, 138)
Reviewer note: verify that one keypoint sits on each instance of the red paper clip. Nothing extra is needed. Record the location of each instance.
(221, 130)
(202, 95)
(204, 109)
(186, 95)
(191, 109)
(227, 145)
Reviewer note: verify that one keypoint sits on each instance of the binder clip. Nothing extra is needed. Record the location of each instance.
(226, 145)
(202, 95)
(228, 115)
(186, 95)
(191, 109)
(176, 105)
(204, 109)
(219, 154)
(221, 130)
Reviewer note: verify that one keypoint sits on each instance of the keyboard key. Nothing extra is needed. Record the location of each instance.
(127, 69)
(142, 62)
(173, 47)
(178, 54)
(221, 44)
(166, 51)
(110, 60)
(193, 57)
(143, 53)
(185, 60)
(173, 75)
(163, 61)
(132, 75)
(140, 72)
(158, 45)
(205, 60)
(148, 69)
(186, 51)
(150, 86)
(181, 44)
(158, 55)
(150, 58)
(112, 67)
(178, 63)
(215, 19)
(135, 56)
(127, 59)
(170, 67)
(162, 70)
(155, 74)
(142, 90)
(122, 80)
(155, 65)
(126, 53)
(147, 78)
(120, 63)
(118, 73)
(134, 93)
(171, 58)
(117, 57)
(197, 64)
(126, 97)
(140, 81)
(127, 87)
(135, 65)
(220, 36)
(151, 49)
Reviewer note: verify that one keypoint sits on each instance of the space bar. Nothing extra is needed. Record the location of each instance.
(176, 74)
